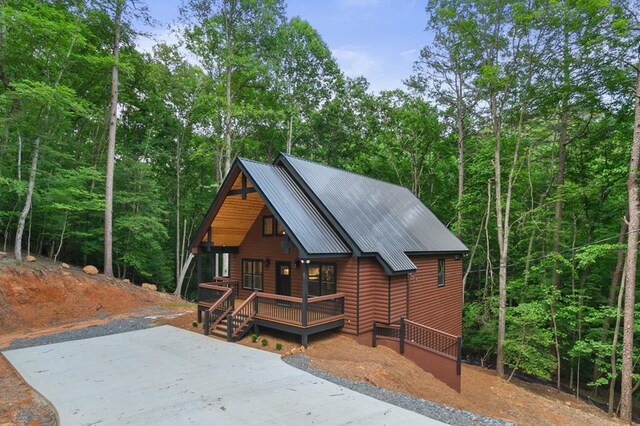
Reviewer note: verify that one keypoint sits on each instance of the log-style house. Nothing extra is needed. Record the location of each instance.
(312, 248)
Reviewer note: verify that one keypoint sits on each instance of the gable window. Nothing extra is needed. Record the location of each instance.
(271, 227)
(441, 273)
(252, 274)
(322, 279)
(268, 226)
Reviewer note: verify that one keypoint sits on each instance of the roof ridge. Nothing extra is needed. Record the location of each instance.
(347, 171)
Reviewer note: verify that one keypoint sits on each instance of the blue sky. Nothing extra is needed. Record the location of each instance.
(379, 39)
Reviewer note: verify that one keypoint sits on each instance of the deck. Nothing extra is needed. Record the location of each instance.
(219, 304)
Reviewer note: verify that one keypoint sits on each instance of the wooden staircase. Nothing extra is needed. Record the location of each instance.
(221, 329)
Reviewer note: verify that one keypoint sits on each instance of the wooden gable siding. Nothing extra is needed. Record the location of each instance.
(398, 297)
(382, 298)
(433, 306)
(256, 246)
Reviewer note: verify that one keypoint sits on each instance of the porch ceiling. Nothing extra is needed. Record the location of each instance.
(235, 217)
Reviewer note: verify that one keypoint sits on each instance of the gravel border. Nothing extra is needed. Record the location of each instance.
(430, 409)
(111, 327)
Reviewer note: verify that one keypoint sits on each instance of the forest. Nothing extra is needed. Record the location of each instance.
(516, 128)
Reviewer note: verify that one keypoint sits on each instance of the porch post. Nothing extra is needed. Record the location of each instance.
(305, 291)
(199, 265)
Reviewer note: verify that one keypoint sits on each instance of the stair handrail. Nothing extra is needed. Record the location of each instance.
(232, 330)
(207, 315)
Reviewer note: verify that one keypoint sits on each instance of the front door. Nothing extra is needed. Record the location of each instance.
(283, 278)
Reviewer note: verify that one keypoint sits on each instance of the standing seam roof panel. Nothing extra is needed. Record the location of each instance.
(378, 216)
(295, 209)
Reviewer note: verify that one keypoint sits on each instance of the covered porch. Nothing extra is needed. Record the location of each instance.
(225, 314)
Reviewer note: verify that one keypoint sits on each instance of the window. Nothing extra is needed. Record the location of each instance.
(268, 226)
(252, 274)
(322, 279)
(441, 273)
(279, 228)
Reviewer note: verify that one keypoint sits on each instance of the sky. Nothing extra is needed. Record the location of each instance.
(378, 39)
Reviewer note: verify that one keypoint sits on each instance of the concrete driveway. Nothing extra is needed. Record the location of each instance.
(170, 376)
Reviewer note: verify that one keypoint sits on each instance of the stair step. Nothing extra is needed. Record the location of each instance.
(218, 333)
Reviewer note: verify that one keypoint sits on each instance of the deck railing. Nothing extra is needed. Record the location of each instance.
(220, 282)
(278, 308)
(219, 308)
(424, 337)
(325, 308)
(239, 321)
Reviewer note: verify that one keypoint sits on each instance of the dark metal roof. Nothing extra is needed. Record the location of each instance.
(293, 208)
(382, 219)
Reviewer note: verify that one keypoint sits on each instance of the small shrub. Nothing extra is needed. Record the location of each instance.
(195, 323)
(254, 338)
(278, 346)
(265, 342)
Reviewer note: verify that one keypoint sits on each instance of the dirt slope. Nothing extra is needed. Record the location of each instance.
(40, 294)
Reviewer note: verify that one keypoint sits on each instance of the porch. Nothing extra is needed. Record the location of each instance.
(226, 315)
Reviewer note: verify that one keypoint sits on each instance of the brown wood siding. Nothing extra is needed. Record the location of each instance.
(255, 246)
(374, 294)
(433, 306)
(398, 301)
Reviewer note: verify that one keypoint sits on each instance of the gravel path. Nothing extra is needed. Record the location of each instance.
(430, 409)
(112, 327)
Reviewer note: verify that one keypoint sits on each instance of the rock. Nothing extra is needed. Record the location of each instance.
(31, 258)
(65, 265)
(126, 281)
(90, 269)
(3, 254)
(151, 287)
(66, 274)
(567, 403)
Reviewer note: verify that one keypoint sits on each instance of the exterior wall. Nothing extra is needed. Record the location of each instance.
(433, 306)
(255, 246)
(374, 292)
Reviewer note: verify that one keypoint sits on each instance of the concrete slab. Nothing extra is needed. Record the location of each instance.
(169, 376)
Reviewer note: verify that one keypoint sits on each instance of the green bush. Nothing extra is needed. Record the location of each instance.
(254, 338)
(195, 323)
(278, 346)
(264, 342)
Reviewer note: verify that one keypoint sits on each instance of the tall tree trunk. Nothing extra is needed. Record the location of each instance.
(17, 250)
(613, 289)
(178, 245)
(290, 134)
(614, 347)
(111, 148)
(502, 242)
(460, 125)
(632, 254)
(227, 123)
(562, 157)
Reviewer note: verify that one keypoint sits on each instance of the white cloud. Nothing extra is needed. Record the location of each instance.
(410, 54)
(354, 61)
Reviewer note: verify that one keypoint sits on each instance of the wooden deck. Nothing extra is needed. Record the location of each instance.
(290, 314)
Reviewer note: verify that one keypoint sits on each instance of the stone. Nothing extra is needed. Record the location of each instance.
(151, 287)
(90, 269)
(126, 281)
(31, 258)
(3, 254)
(66, 274)
(65, 265)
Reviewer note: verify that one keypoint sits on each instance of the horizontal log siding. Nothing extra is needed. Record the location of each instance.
(255, 246)
(374, 294)
(398, 297)
(433, 306)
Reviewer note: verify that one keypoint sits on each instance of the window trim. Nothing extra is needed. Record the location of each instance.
(253, 274)
(273, 226)
(442, 272)
(320, 281)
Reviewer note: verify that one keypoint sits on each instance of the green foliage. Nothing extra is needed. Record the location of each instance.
(264, 342)
(278, 346)
(254, 338)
